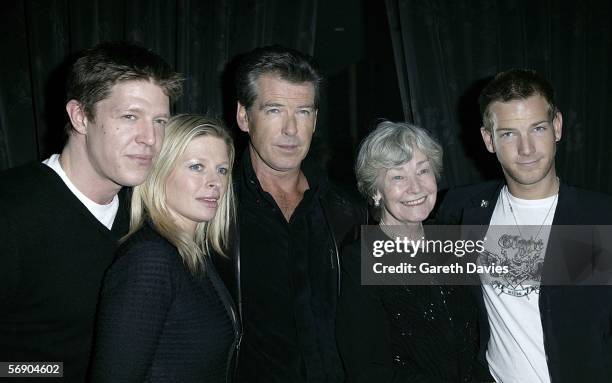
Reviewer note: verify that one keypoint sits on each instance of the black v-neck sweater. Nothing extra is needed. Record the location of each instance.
(53, 255)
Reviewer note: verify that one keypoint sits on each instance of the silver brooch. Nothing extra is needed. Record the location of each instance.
(484, 203)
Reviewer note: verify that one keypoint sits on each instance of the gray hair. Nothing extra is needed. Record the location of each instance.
(391, 145)
(288, 64)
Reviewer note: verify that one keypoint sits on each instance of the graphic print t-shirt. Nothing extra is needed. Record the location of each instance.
(517, 238)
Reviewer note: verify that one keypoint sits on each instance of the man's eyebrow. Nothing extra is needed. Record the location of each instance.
(131, 108)
(508, 129)
(540, 122)
(138, 109)
(498, 128)
(270, 105)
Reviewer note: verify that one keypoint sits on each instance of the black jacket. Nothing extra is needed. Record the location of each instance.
(342, 216)
(384, 336)
(576, 320)
(158, 322)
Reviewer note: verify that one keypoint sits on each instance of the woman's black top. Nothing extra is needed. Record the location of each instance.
(157, 322)
(396, 333)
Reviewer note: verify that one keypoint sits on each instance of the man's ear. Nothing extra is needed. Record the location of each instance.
(242, 117)
(487, 137)
(558, 126)
(77, 116)
(314, 128)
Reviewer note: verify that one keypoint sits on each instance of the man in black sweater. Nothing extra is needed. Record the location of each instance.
(534, 328)
(292, 221)
(61, 219)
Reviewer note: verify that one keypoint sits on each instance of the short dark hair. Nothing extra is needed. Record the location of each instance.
(515, 84)
(98, 69)
(289, 64)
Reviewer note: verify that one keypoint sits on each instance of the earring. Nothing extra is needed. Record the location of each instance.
(376, 201)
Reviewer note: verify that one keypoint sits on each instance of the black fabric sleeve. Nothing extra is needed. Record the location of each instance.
(363, 333)
(137, 293)
(9, 268)
(450, 212)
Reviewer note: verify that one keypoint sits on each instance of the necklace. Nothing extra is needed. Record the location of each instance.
(507, 194)
(411, 234)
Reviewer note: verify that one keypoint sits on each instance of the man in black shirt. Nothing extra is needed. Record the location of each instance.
(291, 223)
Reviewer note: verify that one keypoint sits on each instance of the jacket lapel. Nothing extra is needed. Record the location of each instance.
(479, 212)
(481, 206)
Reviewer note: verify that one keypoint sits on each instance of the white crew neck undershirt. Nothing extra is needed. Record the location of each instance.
(103, 213)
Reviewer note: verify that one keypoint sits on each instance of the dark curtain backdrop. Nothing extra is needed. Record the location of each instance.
(198, 37)
(423, 59)
(445, 51)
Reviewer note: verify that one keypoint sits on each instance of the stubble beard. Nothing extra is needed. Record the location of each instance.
(525, 179)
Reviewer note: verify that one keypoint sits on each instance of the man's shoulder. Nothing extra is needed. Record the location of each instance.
(26, 173)
(463, 195)
(343, 201)
(343, 195)
(345, 212)
(582, 206)
(589, 196)
(24, 182)
(455, 200)
(476, 188)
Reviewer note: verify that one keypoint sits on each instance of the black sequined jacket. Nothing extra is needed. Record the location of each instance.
(405, 333)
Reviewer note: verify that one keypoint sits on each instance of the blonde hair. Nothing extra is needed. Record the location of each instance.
(149, 199)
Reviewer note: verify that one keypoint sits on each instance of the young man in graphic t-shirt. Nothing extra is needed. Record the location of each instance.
(531, 331)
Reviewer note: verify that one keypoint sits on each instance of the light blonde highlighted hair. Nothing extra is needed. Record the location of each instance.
(149, 199)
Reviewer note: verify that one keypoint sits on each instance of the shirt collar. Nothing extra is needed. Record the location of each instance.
(314, 174)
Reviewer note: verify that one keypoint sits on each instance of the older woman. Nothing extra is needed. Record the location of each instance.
(164, 313)
(402, 333)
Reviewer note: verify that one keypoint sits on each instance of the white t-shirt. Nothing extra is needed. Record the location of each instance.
(103, 213)
(515, 351)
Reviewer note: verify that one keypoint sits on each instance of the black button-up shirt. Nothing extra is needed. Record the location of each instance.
(289, 286)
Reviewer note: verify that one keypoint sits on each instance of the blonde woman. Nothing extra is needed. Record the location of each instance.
(164, 313)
